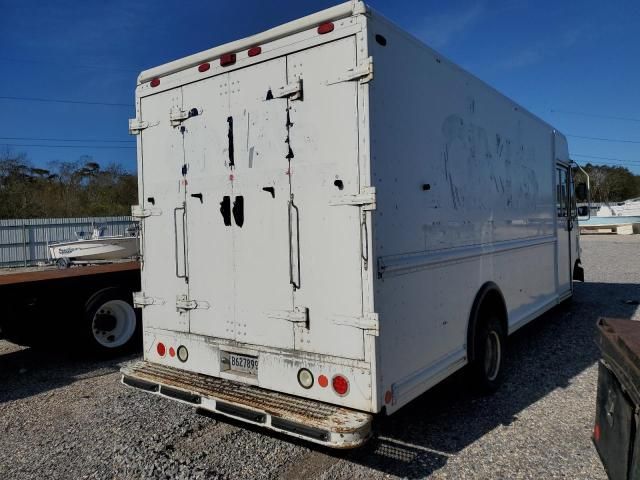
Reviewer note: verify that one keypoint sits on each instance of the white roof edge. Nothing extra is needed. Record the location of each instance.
(343, 10)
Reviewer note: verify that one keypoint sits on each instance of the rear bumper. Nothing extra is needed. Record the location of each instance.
(314, 421)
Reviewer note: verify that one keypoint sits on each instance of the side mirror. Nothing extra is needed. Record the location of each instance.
(583, 211)
(581, 192)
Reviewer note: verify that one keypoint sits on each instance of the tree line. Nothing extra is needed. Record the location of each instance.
(610, 184)
(84, 188)
(64, 189)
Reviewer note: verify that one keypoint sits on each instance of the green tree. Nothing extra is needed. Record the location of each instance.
(611, 183)
(65, 189)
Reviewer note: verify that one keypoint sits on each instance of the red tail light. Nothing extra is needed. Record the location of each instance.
(154, 82)
(325, 28)
(340, 385)
(162, 350)
(228, 59)
(203, 67)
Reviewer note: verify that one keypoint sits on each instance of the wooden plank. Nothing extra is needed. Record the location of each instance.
(38, 274)
(612, 228)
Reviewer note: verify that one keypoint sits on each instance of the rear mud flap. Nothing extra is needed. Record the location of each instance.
(314, 421)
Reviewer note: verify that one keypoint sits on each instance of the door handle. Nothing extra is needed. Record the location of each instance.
(364, 232)
(294, 250)
(184, 241)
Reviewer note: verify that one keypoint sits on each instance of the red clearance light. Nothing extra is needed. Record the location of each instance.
(203, 67)
(323, 381)
(154, 82)
(161, 349)
(172, 352)
(325, 28)
(340, 385)
(228, 59)
(253, 51)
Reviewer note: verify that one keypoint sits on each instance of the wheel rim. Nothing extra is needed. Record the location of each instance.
(113, 324)
(492, 355)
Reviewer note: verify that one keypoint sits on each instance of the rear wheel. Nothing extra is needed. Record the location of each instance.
(489, 347)
(111, 322)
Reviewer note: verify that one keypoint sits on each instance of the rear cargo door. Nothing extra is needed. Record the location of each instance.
(238, 191)
(164, 276)
(263, 295)
(209, 198)
(326, 250)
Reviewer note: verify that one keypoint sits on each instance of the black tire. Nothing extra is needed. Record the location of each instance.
(487, 368)
(111, 326)
(63, 263)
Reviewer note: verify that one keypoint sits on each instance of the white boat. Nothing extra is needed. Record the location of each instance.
(94, 247)
(628, 208)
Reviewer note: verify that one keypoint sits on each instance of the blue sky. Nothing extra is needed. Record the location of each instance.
(547, 55)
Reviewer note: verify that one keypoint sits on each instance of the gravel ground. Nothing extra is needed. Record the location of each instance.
(68, 417)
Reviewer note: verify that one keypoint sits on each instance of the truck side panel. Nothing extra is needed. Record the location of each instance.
(465, 194)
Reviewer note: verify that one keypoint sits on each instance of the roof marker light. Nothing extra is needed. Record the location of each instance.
(154, 82)
(325, 28)
(253, 51)
(203, 67)
(227, 59)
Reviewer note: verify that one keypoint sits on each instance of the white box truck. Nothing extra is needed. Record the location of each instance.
(336, 218)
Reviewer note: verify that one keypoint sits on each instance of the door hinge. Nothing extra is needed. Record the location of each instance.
(365, 199)
(363, 73)
(138, 212)
(369, 323)
(136, 126)
(292, 91)
(297, 315)
(184, 303)
(178, 115)
(140, 300)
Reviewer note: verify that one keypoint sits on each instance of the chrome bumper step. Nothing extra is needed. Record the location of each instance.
(315, 421)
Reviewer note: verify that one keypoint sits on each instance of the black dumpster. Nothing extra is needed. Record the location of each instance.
(616, 433)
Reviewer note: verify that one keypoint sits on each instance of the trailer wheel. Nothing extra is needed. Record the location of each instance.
(490, 347)
(111, 321)
(63, 263)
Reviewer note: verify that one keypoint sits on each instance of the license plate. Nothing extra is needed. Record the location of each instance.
(243, 363)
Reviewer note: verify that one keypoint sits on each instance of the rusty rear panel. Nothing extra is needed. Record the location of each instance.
(319, 422)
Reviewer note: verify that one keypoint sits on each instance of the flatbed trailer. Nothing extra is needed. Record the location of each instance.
(91, 304)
